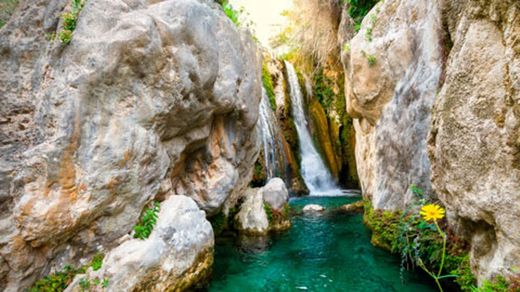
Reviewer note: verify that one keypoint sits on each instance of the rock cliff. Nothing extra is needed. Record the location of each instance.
(151, 99)
(435, 90)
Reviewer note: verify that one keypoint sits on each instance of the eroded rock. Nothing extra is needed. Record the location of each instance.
(393, 69)
(440, 103)
(150, 99)
(177, 255)
(473, 143)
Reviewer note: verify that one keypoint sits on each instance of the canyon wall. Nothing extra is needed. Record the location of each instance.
(150, 100)
(434, 88)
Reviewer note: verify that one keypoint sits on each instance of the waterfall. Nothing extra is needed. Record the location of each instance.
(314, 172)
(268, 134)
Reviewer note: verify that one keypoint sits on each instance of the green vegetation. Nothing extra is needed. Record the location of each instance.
(358, 9)
(371, 59)
(346, 48)
(322, 89)
(221, 222)
(59, 281)
(231, 13)
(97, 261)
(86, 283)
(145, 226)
(419, 243)
(6, 9)
(70, 20)
(267, 81)
(269, 212)
(368, 32)
(499, 284)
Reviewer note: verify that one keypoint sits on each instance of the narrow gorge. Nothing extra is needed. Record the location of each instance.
(277, 145)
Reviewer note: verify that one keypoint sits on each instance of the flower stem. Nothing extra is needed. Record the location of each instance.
(443, 235)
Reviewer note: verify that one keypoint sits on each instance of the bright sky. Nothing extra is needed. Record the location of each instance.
(266, 16)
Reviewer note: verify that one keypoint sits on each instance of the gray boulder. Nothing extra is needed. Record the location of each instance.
(275, 193)
(252, 218)
(178, 253)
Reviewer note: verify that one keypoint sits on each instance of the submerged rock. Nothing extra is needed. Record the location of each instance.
(313, 208)
(150, 99)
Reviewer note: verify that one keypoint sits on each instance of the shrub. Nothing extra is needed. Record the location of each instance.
(231, 13)
(65, 36)
(7, 7)
(70, 20)
(97, 261)
(145, 226)
(358, 9)
(322, 90)
(346, 48)
(57, 281)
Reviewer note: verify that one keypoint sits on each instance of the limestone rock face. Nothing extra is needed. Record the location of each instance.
(179, 252)
(393, 67)
(439, 106)
(475, 138)
(149, 100)
(275, 193)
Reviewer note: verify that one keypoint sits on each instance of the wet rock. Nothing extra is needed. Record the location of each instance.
(313, 208)
(356, 207)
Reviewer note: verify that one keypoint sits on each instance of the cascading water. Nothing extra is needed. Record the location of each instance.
(268, 133)
(316, 176)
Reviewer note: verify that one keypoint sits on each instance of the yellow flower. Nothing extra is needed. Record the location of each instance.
(432, 212)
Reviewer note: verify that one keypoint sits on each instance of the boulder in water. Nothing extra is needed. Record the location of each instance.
(265, 209)
(252, 218)
(275, 193)
(313, 208)
(356, 207)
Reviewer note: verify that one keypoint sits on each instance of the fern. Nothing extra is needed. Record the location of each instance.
(145, 226)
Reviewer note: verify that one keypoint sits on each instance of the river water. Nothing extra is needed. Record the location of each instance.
(331, 252)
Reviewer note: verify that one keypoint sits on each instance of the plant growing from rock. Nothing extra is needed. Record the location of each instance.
(358, 9)
(267, 81)
(97, 261)
(420, 242)
(70, 20)
(371, 59)
(145, 226)
(269, 212)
